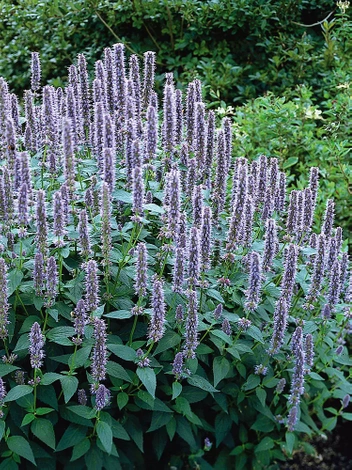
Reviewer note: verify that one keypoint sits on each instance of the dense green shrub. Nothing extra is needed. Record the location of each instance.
(162, 301)
(239, 49)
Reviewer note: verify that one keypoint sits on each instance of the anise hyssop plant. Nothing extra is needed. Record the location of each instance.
(162, 300)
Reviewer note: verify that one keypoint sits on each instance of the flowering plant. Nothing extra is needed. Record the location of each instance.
(173, 301)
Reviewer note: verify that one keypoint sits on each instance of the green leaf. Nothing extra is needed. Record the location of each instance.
(261, 394)
(123, 352)
(80, 449)
(80, 358)
(2, 429)
(83, 411)
(347, 416)
(168, 341)
(44, 431)
(49, 378)
(176, 390)
(28, 418)
(119, 314)
(105, 435)
(17, 392)
(200, 382)
(14, 280)
(290, 442)
(223, 424)
(265, 444)
(20, 446)
(123, 196)
(122, 400)
(72, 436)
(7, 369)
(148, 379)
(60, 335)
(221, 368)
(255, 333)
(214, 294)
(289, 162)
(154, 208)
(159, 420)
(117, 371)
(252, 382)
(69, 386)
(184, 430)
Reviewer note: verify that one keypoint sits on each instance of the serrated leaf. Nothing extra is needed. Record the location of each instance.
(168, 341)
(122, 400)
(148, 379)
(117, 371)
(105, 435)
(72, 436)
(154, 208)
(2, 429)
(123, 352)
(17, 392)
(83, 411)
(80, 358)
(7, 369)
(261, 394)
(60, 335)
(14, 278)
(221, 368)
(119, 314)
(159, 420)
(123, 196)
(43, 411)
(255, 333)
(223, 424)
(176, 390)
(28, 418)
(69, 386)
(44, 431)
(252, 382)
(289, 162)
(20, 446)
(290, 441)
(265, 444)
(200, 382)
(80, 449)
(49, 378)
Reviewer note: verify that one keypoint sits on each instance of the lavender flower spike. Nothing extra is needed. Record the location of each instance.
(141, 270)
(289, 275)
(36, 340)
(39, 273)
(92, 286)
(4, 305)
(148, 84)
(178, 272)
(156, 326)
(271, 244)
(100, 355)
(206, 238)
(191, 332)
(51, 282)
(35, 72)
(280, 323)
(84, 233)
(328, 218)
(177, 366)
(42, 228)
(194, 257)
(138, 192)
(80, 319)
(102, 397)
(297, 384)
(252, 294)
(309, 350)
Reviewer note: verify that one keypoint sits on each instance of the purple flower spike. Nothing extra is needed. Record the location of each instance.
(178, 272)
(197, 205)
(36, 344)
(84, 233)
(179, 313)
(105, 222)
(289, 275)
(23, 206)
(169, 122)
(82, 397)
(177, 366)
(35, 72)
(271, 245)
(141, 270)
(292, 418)
(280, 323)
(210, 140)
(156, 326)
(280, 194)
(4, 305)
(85, 92)
(206, 238)
(190, 113)
(41, 221)
(148, 81)
(102, 397)
(191, 332)
(99, 355)
(120, 77)
(254, 283)
(151, 134)
(200, 135)
(318, 273)
(220, 178)
(326, 228)
(193, 257)
(334, 285)
(69, 158)
(80, 318)
(314, 184)
(179, 117)
(59, 216)
(39, 273)
(174, 203)
(226, 327)
(52, 282)
(109, 168)
(138, 192)
(297, 384)
(92, 286)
